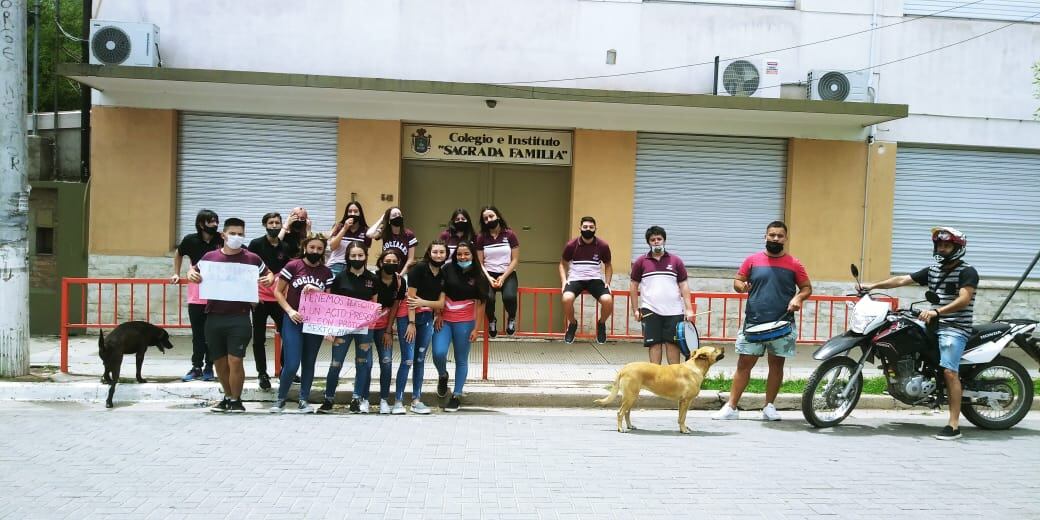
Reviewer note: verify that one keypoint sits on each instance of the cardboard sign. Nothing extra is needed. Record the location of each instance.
(228, 281)
(334, 315)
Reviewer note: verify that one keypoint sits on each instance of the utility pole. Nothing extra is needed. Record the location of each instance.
(14, 193)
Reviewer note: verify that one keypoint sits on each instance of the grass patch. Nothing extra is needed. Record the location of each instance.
(871, 385)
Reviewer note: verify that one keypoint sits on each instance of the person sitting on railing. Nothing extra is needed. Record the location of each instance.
(659, 283)
(585, 266)
(194, 245)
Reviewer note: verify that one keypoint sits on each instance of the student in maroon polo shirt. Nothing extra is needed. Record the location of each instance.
(391, 231)
(659, 281)
(351, 228)
(585, 260)
(460, 229)
(498, 251)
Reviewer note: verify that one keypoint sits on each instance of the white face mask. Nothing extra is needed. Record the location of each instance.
(235, 241)
(657, 249)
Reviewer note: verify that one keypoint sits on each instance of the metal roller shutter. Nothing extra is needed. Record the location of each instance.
(714, 195)
(1011, 10)
(990, 195)
(245, 166)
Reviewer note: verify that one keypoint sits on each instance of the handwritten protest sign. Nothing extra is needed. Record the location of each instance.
(228, 281)
(334, 315)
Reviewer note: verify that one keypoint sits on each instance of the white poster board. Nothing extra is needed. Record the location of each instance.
(228, 281)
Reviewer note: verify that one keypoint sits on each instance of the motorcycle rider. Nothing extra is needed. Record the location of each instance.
(955, 282)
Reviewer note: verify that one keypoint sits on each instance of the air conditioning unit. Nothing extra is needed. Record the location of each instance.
(124, 43)
(750, 77)
(837, 85)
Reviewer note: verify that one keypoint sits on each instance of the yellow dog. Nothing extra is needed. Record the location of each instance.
(679, 383)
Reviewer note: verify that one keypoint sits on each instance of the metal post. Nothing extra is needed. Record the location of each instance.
(84, 104)
(1017, 285)
(14, 193)
(36, 70)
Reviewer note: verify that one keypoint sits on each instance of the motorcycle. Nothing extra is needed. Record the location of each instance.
(998, 391)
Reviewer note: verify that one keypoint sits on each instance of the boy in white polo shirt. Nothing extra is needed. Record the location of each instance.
(659, 281)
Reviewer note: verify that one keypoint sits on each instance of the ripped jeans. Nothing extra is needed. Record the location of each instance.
(340, 347)
(363, 380)
(413, 353)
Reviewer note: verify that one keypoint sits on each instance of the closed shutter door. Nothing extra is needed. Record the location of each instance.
(713, 195)
(990, 195)
(246, 166)
(1012, 10)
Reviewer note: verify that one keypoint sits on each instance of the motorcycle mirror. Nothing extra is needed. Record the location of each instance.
(855, 271)
(931, 297)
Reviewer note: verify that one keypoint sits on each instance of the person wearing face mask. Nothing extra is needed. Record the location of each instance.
(391, 231)
(777, 285)
(228, 328)
(460, 229)
(659, 284)
(351, 228)
(425, 296)
(268, 248)
(194, 245)
(297, 228)
(465, 290)
(498, 253)
(300, 275)
(585, 266)
(360, 283)
(391, 293)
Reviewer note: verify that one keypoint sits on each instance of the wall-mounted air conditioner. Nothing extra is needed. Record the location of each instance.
(837, 85)
(124, 43)
(750, 77)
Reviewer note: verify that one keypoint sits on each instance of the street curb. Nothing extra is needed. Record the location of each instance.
(478, 394)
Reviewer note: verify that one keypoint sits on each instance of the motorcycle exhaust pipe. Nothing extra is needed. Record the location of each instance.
(1030, 345)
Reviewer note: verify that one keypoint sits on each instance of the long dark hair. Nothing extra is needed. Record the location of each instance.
(468, 232)
(382, 258)
(437, 242)
(501, 220)
(362, 223)
(387, 228)
(483, 287)
(312, 238)
(356, 245)
(205, 216)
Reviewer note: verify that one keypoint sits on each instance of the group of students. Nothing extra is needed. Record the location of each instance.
(428, 300)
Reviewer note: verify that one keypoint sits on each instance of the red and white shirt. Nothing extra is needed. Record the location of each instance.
(498, 251)
(659, 283)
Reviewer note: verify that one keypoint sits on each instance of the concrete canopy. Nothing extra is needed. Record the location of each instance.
(465, 103)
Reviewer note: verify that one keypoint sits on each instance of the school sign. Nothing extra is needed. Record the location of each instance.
(518, 146)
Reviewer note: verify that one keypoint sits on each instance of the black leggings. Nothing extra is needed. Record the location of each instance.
(508, 290)
(197, 318)
(260, 315)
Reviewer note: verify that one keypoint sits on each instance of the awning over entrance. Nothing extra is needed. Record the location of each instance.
(467, 103)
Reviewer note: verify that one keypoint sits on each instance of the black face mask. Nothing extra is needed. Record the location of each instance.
(491, 224)
(436, 263)
(774, 247)
(356, 264)
(460, 227)
(397, 221)
(212, 230)
(299, 227)
(273, 232)
(587, 234)
(313, 258)
(390, 268)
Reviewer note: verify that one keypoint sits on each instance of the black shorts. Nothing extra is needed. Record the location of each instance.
(595, 287)
(660, 329)
(228, 334)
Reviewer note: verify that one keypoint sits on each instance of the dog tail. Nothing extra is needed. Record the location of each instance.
(101, 343)
(613, 391)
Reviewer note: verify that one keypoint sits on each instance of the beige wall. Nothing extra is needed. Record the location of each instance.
(603, 186)
(369, 165)
(826, 183)
(133, 181)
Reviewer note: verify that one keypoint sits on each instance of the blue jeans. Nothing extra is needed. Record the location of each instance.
(363, 382)
(297, 349)
(413, 354)
(951, 347)
(339, 354)
(456, 333)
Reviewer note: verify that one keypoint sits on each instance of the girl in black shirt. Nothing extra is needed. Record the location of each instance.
(465, 289)
(425, 295)
(390, 293)
(356, 281)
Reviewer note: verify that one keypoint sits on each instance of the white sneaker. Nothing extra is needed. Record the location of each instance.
(304, 407)
(420, 408)
(726, 413)
(384, 407)
(364, 406)
(769, 413)
(398, 409)
(278, 407)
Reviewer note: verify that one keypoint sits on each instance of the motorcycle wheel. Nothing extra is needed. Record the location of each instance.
(1000, 375)
(822, 405)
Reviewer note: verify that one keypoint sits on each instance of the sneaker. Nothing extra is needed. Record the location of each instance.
(364, 406)
(384, 407)
(511, 326)
(769, 413)
(726, 413)
(264, 380)
(207, 374)
(601, 333)
(420, 408)
(326, 407)
(236, 406)
(223, 406)
(277, 407)
(572, 329)
(194, 374)
(493, 328)
(453, 404)
(398, 409)
(948, 433)
(355, 405)
(304, 407)
(442, 385)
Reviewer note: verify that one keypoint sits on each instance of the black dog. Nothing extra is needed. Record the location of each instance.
(132, 337)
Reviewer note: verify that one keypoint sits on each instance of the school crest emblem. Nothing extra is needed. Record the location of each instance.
(421, 141)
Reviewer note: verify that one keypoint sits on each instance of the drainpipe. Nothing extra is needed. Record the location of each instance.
(84, 99)
(871, 135)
